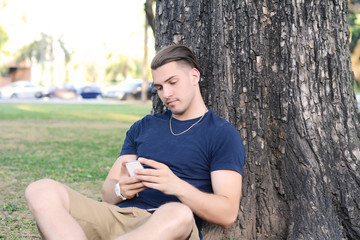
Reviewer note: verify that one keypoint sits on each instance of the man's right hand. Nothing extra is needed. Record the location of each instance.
(118, 174)
(129, 186)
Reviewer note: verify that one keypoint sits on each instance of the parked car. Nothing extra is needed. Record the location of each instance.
(127, 90)
(358, 99)
(67, 91)
(22, 89)
(137, 93)
(90, 91)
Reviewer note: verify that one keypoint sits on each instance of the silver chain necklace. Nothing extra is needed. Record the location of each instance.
(177, 134)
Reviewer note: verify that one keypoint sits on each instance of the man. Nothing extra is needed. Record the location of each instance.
(193, 163)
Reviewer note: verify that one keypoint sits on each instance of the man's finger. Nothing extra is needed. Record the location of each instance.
(150, 163)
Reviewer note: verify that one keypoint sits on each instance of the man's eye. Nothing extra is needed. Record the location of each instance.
(158, 88)
(173, 82)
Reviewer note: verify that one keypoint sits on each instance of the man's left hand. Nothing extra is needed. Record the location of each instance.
(160, 177)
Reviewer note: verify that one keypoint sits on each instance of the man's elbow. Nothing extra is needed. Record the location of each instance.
(105, 196)
(228, 222)
(228, 225)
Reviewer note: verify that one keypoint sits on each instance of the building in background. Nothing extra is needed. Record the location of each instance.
(16, 72)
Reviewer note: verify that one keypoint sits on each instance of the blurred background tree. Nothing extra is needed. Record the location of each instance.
(4, 38)
(39, 50)
(122, 68)
(42, 51)
(149, 12)
(67, 57)
(92, 73)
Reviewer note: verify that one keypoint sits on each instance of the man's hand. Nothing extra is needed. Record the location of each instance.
(129, 186)
(160, 177)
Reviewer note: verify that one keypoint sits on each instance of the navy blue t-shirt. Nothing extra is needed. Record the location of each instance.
(212, 144)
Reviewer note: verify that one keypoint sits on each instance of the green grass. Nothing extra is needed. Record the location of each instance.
(72, 143)
(356, 87)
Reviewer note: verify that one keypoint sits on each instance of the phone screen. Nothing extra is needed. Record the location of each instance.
(131, 166)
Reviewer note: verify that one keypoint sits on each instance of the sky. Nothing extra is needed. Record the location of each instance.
(91, 28)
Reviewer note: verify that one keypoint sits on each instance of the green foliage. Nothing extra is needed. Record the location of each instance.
(33, 49)
(92, 73)
(119, 70)
(41, 50)
(2, 4)
(67, 53)
(356, 87)
(4, 38)
(354, 22)
(4, 69)
(123, 68)
(137, 68)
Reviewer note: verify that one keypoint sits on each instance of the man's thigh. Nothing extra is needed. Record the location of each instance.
(101, 220)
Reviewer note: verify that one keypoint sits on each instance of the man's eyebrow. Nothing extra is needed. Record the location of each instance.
(168, 79)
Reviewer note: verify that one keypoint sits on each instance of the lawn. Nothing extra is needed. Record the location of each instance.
(72, 143)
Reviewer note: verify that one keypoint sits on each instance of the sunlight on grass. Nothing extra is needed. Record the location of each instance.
(30, 108)
(109, 116)
(74, 112)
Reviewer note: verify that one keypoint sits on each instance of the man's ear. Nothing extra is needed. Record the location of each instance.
(195, 74)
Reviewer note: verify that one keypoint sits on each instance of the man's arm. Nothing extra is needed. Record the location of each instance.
(118, 173)
(220, 208)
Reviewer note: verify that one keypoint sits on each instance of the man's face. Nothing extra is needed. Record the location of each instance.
(176, 84)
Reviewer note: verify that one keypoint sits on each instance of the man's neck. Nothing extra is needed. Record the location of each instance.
(192, 113)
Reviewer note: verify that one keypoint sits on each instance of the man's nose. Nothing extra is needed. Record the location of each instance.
(167, 92)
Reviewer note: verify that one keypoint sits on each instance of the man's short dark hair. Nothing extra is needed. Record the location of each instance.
(175, 53)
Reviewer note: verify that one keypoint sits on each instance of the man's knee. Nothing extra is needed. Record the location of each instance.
(180, 216)
(44, 193)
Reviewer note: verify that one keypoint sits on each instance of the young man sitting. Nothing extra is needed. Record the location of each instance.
(193, 163)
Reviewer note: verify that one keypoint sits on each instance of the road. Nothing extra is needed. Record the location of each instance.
(63, 101)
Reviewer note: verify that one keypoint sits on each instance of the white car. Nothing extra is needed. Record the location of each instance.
(21, 89)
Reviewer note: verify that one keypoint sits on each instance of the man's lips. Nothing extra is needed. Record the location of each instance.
(171, 101)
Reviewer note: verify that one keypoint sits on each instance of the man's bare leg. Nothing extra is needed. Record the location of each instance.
(171, 221)
(49, 203)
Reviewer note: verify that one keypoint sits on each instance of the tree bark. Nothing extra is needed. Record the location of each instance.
(280, 72)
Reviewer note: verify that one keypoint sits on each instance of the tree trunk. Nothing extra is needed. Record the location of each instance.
(280, 72)
(148, 8)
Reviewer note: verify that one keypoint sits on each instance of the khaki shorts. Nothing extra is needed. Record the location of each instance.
(101, 220)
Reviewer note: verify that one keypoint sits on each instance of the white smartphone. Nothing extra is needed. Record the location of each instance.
(131, 166)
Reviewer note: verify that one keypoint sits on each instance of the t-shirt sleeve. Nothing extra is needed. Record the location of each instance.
(129, 145)
(228, 151)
